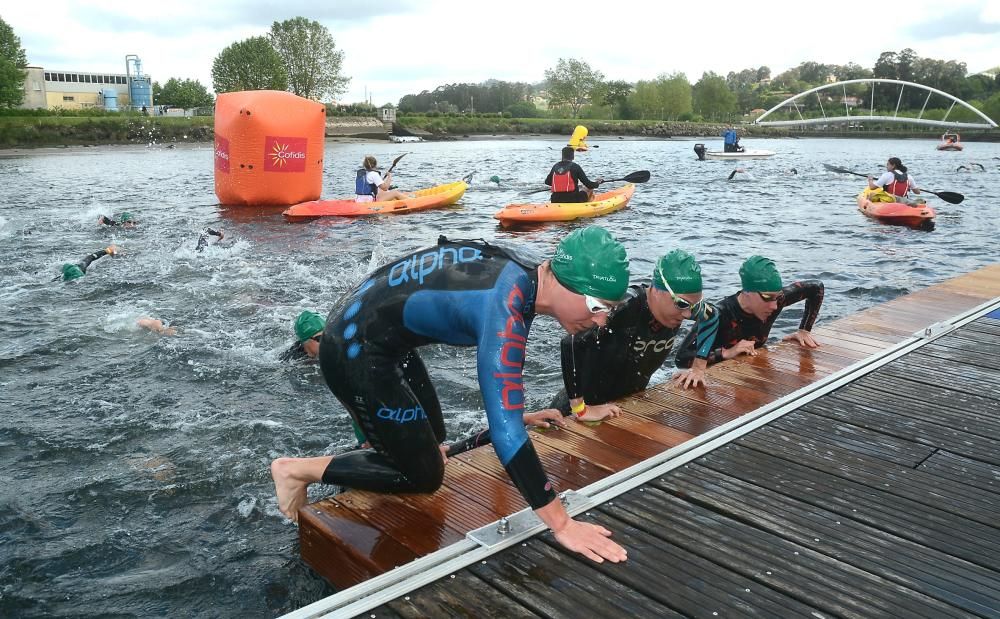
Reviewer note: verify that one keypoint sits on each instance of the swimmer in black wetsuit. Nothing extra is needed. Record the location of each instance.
(74, 271)
(746, 318)
(125, 220)
(203, 238)
(618, 359)
(463, 294)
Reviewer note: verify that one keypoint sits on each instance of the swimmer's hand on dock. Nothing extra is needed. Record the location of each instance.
(694, 377)
(590, 540)
(742, 347)
(599, 412)
(803, 337)
(544, 418)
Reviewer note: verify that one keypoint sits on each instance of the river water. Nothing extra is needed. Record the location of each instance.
(134, 467)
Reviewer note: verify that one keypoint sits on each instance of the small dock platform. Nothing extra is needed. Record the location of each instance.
(860, 479)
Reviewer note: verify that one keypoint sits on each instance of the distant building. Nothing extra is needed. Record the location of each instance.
(851, 101)
(74, 90)
(388, 114)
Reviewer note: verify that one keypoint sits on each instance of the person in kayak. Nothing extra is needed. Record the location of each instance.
(370, 186)
(462, 293)
(565, 178)
(125, 220)
(746, 318)
(618, 359)
(894, 181)
(75, 271)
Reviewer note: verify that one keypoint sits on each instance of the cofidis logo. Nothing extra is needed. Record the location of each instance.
(284, 154)
(221, 154)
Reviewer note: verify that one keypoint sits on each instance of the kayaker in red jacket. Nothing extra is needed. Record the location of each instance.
(565, 178)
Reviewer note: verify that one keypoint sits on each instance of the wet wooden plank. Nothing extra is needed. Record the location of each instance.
(931, 572)
(785, 566)
(935, 372)
(552, 584)
(632, 435)
(774, 374)
(597, 452)
(686, 582)
(906, 425)
(854, 438)
(323, 526)
(911, 520)
(462, 596)
(567, 471)
(918, 486)
(963, 470)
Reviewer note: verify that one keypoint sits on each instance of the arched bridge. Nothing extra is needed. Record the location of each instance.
(799, 101)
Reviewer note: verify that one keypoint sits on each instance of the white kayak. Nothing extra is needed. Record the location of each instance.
(747, 154)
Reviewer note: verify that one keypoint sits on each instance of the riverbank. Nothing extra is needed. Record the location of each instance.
(65, 131)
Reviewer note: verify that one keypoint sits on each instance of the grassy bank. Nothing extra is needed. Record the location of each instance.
(445, 127)
(33, 131)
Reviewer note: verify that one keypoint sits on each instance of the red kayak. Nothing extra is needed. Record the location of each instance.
(918, 216)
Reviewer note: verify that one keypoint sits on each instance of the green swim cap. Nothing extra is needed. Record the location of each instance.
(681, 271)
(590, 261)
(495, 179)
(758, 274)
(126, 216)
(308, 324)
(71, 272)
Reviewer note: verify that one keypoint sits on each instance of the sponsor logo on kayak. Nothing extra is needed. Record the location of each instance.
(415, 268)
(221, 154)
(282, 154)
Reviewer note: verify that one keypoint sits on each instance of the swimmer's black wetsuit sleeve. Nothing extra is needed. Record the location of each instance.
(89, 258)
(809, 289)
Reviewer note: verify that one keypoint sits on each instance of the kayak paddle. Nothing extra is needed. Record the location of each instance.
(394, 162)
(635, 177)
(948, 196)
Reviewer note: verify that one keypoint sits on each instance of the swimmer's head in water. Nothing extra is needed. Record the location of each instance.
(680, 270)
(308, 324)
(71, 272)
(126, 217)
(759, 274)
(495, 179)
(591, 262)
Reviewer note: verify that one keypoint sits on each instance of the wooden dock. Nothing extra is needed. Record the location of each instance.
(881, 498)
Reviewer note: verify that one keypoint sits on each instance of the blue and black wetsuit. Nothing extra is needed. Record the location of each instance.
(736, 325)
(459, 293)
(611, 362)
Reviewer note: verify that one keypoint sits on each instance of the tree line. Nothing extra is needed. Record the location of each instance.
(573, 89)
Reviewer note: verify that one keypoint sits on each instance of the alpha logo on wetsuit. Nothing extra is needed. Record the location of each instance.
(512, 354)
(657, 345)
(417, 267)
(402, 415)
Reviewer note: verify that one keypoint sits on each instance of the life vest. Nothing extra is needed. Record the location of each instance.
(361, 185)
(899, 186)
(562, 179)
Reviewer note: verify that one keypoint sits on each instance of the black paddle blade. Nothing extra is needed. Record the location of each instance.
(840, 170)
(950, 197)
(637, 177)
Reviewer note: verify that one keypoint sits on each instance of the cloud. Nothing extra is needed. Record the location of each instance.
(181, 20)
(961, 21)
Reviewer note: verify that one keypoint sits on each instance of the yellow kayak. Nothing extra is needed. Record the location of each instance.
(602, 204)
(433, 197)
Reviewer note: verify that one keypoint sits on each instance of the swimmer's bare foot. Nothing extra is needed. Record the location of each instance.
(291, 478)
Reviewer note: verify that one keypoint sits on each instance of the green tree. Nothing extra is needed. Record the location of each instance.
(12, 63)
(184, 93)
(522, 109)
(311, 58)
(251, 64)
(675, 95)
(572, 82)
(991, 107)
(712, 98)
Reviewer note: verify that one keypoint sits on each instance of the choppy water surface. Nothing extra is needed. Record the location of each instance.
(134, 468)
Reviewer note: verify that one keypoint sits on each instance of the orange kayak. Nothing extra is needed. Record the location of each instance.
(896, 213)
(602, 204)
(433, 197)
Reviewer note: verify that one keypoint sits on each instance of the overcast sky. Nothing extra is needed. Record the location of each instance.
(396, 47)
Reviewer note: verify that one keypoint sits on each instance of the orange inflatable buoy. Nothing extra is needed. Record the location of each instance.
(268, 148)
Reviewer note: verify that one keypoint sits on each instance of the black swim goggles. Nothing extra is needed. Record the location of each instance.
(682, 304)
